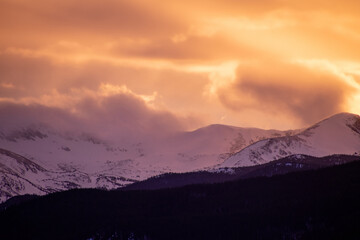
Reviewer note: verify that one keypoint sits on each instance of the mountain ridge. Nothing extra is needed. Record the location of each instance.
(320, 139)
(81, 160)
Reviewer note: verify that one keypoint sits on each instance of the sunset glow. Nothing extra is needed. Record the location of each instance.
(268, 64)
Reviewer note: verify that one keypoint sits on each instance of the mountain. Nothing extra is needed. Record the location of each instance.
(20, 175)
(206, 147)
(41, 160)
(317, 204)
(293, 163)
(339, 134)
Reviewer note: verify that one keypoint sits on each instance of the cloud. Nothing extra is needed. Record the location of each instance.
(14, 116)
(36, 76)
(122, 116)
(259, 7)
(111, 101)
(128, 116)
(276, 87)
(195, 48)
(40, 22)
(61, 52)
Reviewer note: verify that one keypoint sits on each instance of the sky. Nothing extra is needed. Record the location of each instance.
(161, 66)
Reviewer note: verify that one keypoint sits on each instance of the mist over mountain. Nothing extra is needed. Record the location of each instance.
(40, 159)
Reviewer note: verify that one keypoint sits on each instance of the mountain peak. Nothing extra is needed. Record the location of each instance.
(338, 121)
(338, 134)
(215, 128)
(343, 116)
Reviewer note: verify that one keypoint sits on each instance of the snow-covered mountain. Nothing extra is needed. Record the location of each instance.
(204, 147)
(293, 163)
(339, 134)
(40, 160)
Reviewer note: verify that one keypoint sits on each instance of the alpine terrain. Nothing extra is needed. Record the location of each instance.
(40, 160)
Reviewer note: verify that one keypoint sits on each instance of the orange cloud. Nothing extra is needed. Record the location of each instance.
(187, 53)
(279, 87)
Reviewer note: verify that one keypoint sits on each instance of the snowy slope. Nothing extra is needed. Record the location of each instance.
(293, 163)
(339, 134)
(205, 147)
(61, 161)
(39, 160)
